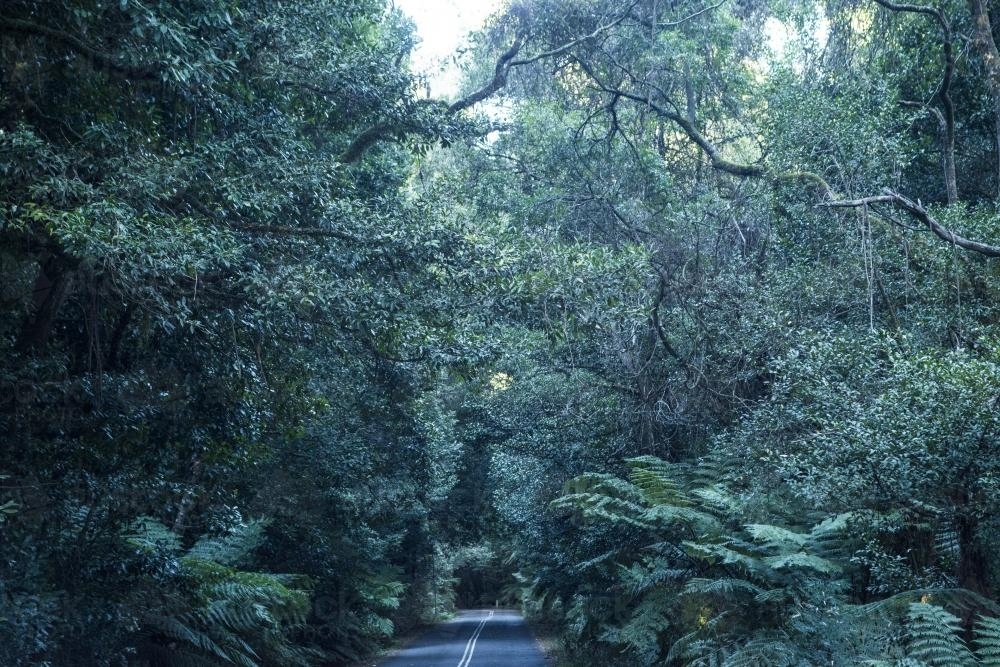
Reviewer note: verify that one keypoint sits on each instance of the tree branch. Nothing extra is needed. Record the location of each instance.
(498, 81)
(673, 24)
(364, 141)
(709, 148)
(921, 214)
(565, 48)
(944, 92)
(79, 46)
(385, 130)
(505, 64)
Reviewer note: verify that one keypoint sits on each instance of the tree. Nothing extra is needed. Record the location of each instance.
(199, 252)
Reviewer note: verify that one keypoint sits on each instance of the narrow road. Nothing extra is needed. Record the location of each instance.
(482, 638)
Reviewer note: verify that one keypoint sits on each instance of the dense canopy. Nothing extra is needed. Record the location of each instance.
(677, 327)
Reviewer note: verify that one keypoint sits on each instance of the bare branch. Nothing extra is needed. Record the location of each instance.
(498, 81)
(922, 215)
(505, 63)
(709, 148)
(678, 22)
(576, 42)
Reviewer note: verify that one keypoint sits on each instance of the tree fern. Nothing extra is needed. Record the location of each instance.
(777, 538)
(641, 631)
(231, 547)
(762, 578)
(660, 482)
(602, 498)
(987, 641)
(730, 588)
(700, 646)
(773, 651)
(148, 534)
(802, 560)
(231, 616)
(674, 516)
(932, 637)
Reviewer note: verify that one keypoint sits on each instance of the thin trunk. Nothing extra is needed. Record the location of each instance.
(114, 347)
(988, 51)
(944, 93)
(52, 286)
(188, 499)
(950, 179)
(973, 561)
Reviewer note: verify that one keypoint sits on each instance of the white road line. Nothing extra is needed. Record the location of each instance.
(470, 647)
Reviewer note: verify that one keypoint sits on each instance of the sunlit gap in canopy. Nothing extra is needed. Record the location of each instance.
(443, 27)
(795, 43)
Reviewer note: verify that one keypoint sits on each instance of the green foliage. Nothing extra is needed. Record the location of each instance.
(987, 641)
(893, 430)
(218, 614)
(697, 584)
(611, 353)
(199, 285)
(932, 637)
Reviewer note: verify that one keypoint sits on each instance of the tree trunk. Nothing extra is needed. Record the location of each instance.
(987, 46)
(973, 562)
(51, 289)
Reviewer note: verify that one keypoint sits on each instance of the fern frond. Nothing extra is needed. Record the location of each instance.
(954, 598)
(831, 538)
(658, 481)
(602, 484)
(717, 498)
(932, 637)
(149, 535)
(176, 629)
(719, 554)
(770, 651)
(233, 547)
(693, 648)
(987, 641)
(802, 560)
(652, 573)
(780, 539)
(726, 587)
(641, 633)
(773, 595)
(674, 516)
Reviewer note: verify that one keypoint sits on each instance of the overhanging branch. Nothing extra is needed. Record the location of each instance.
(710, 149)
(385, 130)
(922, 215)
(501, 71)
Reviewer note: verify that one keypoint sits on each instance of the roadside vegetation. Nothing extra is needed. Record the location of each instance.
(677, 327)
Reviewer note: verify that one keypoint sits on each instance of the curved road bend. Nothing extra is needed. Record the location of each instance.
(480, 638)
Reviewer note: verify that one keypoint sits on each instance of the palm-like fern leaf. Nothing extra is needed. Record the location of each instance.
(933, 637)
(232, 547)
(987, 641)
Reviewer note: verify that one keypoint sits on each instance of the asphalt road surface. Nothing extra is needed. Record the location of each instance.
(483, 638)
